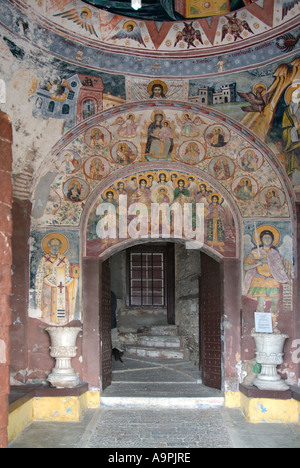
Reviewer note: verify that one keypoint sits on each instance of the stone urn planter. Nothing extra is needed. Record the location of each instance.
(269, 353)
(63, 348)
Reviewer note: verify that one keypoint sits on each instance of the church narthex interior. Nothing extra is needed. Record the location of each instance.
(150, 200)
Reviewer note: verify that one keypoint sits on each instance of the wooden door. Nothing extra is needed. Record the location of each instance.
(210, 303)
(105, 328)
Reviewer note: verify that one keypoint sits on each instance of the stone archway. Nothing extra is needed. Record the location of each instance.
(96, 252)
(222, 144)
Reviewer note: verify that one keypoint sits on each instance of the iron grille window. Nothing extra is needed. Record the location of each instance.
(146, 271)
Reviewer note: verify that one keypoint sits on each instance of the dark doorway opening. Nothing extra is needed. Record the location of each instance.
(147, 279)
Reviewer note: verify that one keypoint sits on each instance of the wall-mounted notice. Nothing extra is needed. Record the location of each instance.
(263, 322)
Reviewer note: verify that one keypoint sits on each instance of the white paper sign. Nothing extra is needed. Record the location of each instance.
(263, 322)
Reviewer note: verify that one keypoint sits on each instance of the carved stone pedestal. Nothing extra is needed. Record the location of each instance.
(269, 353)
(63, 349)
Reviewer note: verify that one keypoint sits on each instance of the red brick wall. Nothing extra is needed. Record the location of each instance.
(5, 268)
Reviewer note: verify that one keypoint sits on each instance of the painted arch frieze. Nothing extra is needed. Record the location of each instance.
(131, 136)
(153, 153)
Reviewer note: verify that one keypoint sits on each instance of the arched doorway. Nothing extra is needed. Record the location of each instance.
(163, 286)
(102, 234)
(222, 178)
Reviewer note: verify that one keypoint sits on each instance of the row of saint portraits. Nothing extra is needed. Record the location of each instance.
(222, 168)
(162, 187)
(55, 267)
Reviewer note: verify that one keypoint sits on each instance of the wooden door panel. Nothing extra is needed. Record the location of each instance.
(210, 322)
(105, 327)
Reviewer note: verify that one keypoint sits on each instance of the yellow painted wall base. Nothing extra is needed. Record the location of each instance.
(233, 399)
(266, 410)
(58, 409)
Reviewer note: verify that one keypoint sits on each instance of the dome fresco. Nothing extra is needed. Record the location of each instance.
(170, 10)
(75, 32)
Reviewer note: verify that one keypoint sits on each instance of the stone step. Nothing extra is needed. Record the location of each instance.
(164, 330)
(162, 402)
(161, 341)
(158, 353)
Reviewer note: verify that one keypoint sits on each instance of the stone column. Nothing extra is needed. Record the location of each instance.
(5, 268)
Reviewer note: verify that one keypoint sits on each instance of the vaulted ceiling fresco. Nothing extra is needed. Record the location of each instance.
(169, 10)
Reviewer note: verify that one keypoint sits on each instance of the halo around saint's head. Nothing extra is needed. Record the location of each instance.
(159, 83)
(267, 228)
(55, 235)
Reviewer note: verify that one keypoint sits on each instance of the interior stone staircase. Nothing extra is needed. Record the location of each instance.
(158, 342)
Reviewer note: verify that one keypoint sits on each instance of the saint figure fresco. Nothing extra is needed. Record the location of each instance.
(264, 270)
(55, 288)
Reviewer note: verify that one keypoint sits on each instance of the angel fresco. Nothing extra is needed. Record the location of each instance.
(181, 194)
(142, 193)
(96, 168)
(190, 128)
(97, 137)
(250, 160)
(272, 198)
(221, 168)
(57, 87)
(69, 162)
(128, 127)
(76, 190)
(131, 31)
(188, 35)
(162, 194)
(264, 270)
(235, 27)
(80, 16)
(258, 100)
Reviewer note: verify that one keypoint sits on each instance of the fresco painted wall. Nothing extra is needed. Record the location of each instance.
(143, 151)
(260, 99)
(55, 277)
(268, 265)
(161, 135)
(169, 188)
(88, 117)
